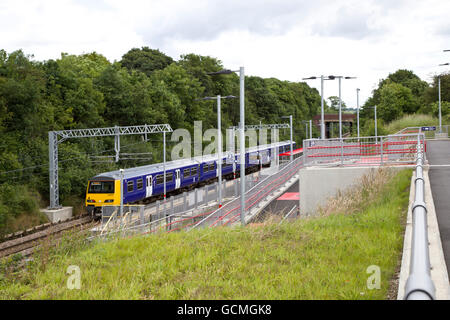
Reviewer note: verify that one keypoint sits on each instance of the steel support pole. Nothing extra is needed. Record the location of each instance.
(219, 143)
(164, 166)
(357, 109)
(242, 142)
(322, 117)
(376, 128)
(117, 143)
(53, 169)
(440, 114)
(292, 146)
(121, 193)
(340, 110)
(310, 129)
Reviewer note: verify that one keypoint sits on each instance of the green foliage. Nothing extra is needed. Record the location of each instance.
(395, 99)
(402, 92)
(334, 104)
(323, 257)
(411, 120)
(15, 200)
(145, 60)
(145, 87)
(432, 93)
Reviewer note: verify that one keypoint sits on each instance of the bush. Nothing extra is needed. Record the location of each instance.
(16, 200)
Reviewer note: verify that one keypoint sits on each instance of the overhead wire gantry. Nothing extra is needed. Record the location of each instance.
(56, 137)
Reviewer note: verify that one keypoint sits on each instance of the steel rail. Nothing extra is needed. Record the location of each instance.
(419, 285)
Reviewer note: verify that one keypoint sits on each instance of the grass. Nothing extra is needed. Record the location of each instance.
(412, 120)
(316, 258)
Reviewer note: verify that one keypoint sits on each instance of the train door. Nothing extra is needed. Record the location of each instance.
(177, 179)
(149, 186)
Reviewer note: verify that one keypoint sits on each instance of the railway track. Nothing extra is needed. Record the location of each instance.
(26, 245)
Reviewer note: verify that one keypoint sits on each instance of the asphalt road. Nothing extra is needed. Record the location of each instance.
(438, 153)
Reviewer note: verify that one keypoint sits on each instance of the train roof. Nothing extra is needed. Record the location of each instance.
(175, 164)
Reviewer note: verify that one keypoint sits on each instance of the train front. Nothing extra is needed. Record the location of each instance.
(102, 191)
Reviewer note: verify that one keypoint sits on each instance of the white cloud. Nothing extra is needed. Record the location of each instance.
(275, 38)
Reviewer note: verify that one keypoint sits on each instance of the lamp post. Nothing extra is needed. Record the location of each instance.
(340, 100)
(376, 127)
(357, 109)
(439, 90)
(310, 129)
(241, 133)
(290, 124)
(219, 140)
(322, 118)
(121, 193)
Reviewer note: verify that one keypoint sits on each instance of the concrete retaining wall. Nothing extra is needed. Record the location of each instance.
(318, 184)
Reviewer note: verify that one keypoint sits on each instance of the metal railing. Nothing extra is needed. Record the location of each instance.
(429, 134)
(419, 285)
(178, 212)
(230, 212)
(353, 151)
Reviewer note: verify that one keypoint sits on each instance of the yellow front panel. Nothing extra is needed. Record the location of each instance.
(100, 198)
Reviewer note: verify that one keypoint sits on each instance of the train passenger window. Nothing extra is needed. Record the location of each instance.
(211, 167)
(194, 171)
(130, 186)
(169, 176)
(140, 184)
(159, 179)
(186, 172)
(205, 168)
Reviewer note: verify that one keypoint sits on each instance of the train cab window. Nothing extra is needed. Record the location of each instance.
(194, 171)
(140, 184)
(130, 186)
(186, 173)
(101, 187)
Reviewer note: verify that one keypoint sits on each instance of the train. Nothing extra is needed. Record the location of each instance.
(145, 184)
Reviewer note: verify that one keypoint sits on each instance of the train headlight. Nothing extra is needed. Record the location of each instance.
(109, 201)
(90, 201)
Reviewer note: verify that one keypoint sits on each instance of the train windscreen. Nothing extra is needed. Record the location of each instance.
(101, 187)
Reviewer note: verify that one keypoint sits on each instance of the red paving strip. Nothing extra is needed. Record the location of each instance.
(290, 196)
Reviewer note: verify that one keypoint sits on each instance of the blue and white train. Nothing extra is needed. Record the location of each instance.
(146, 183)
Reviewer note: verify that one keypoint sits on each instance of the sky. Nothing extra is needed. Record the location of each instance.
(285, 39)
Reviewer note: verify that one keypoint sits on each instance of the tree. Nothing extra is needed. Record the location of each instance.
(408, 80)
(334, 104)
(395, 99)
(127, 97)
(432, 93)
(145, 60)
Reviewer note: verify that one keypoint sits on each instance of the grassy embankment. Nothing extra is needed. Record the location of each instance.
(412, 120)
(324, 257)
